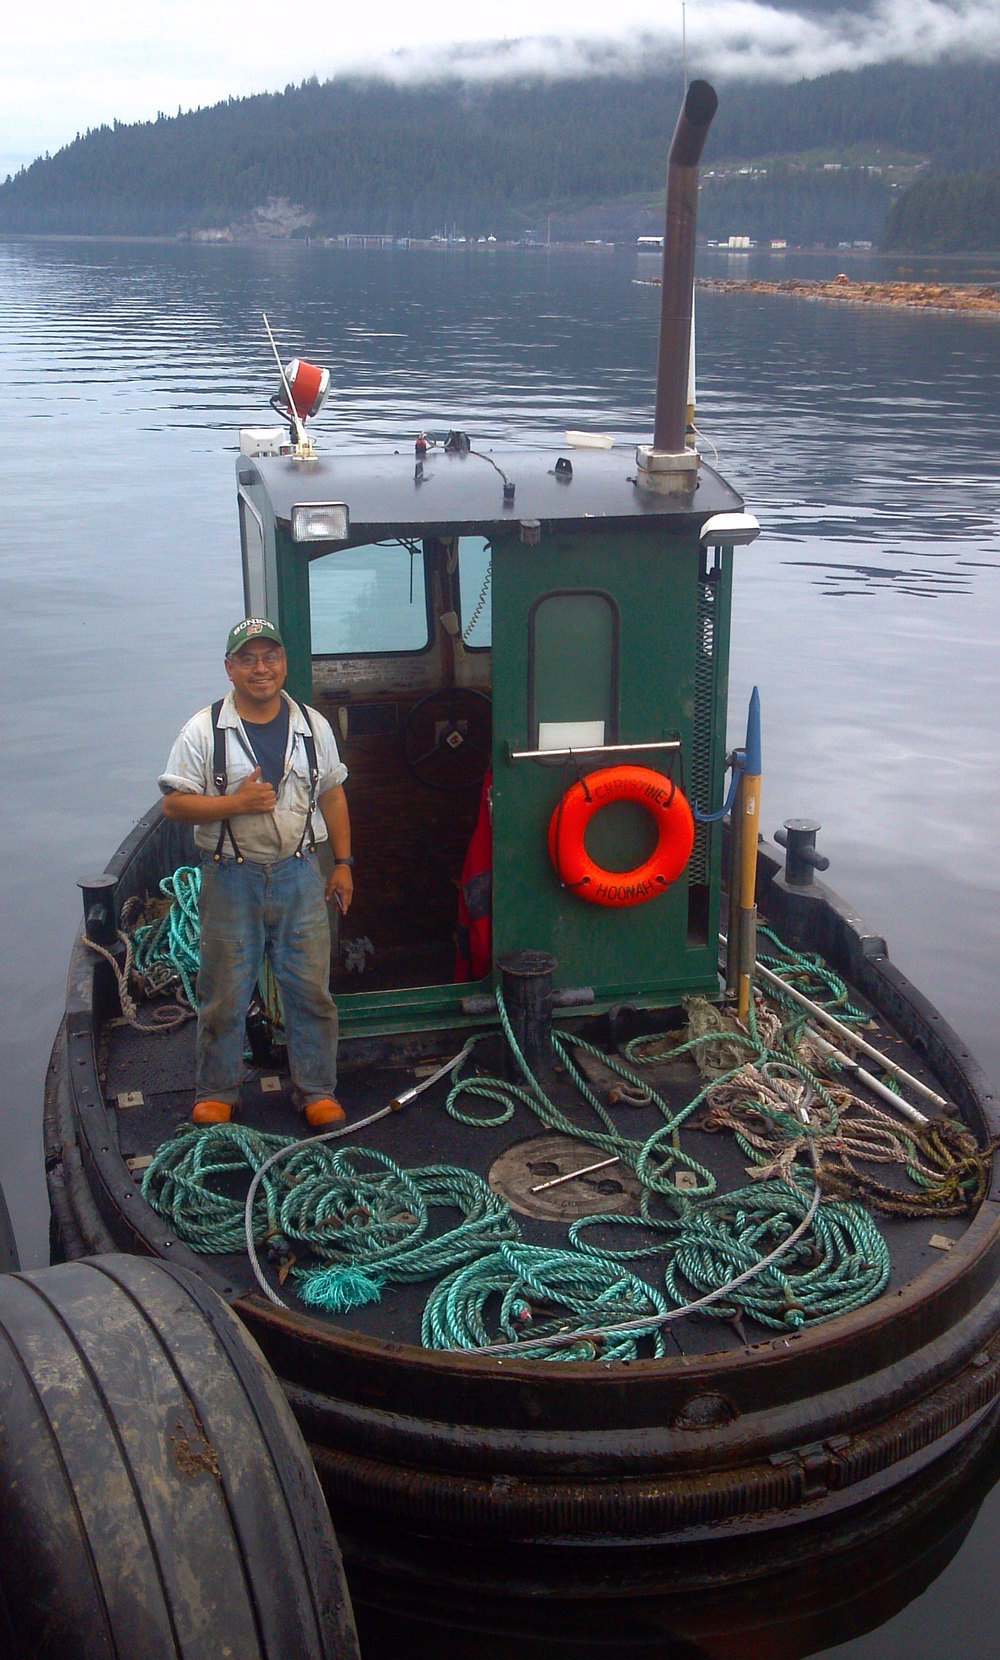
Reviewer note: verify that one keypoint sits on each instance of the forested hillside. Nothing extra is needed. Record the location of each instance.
(939, 215)
(362, 155)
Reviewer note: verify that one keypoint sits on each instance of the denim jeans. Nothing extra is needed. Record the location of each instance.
(247, 910)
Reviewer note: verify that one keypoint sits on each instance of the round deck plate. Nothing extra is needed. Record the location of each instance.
(529, 1164)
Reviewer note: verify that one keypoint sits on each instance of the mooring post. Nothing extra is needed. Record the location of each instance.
(100, 920)
(798, 838)
(526, 983)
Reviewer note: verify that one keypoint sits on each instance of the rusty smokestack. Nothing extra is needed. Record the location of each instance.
(676, 296)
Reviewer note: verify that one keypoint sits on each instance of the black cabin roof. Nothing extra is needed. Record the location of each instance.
(453, 493)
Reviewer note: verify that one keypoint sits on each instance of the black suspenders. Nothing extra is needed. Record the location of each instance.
(308, 738)
(220, 779)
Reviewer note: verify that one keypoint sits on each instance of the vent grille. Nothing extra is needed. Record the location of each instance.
(704, 705)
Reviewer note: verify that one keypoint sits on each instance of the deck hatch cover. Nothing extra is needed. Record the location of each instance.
(612, 1190)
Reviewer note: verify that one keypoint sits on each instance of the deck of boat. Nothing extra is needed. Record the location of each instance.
(156, 1072)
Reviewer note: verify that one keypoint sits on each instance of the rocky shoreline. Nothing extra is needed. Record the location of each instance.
(917, 295)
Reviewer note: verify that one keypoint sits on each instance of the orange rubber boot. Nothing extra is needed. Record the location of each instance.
(211, 1112)
(324, 1112)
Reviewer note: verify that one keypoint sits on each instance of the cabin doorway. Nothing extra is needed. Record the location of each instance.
(401, 634)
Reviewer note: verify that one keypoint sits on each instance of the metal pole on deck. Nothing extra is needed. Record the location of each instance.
(749, 823)
(734, 881)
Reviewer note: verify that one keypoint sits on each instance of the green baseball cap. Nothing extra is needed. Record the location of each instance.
(252, 628)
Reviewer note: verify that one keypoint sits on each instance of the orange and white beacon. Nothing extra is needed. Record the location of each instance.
(301, 393)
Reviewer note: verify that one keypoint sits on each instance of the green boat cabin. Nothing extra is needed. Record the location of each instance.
(534, 612)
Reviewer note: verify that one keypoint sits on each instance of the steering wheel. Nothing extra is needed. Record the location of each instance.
(447, 739)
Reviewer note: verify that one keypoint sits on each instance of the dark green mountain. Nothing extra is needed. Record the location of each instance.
(941, 215)
(363, 155)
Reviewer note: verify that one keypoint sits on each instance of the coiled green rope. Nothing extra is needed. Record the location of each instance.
(366, 1221)
(358, 1210)
(652, 1160)
(189, 1183)
(355, 1211)
(541, 1291)
(839, 1264)
(810, 974)
(709, 1241)
(168, 949)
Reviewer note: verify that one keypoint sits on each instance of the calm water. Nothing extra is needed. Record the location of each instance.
(867, 442)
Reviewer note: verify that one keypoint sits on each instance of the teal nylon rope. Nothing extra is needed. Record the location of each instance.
(356, 1209)
(654, 1159)
(161, 950)
(651, 1160)
(811, 975)
(170, 948)
(366, 1221)
(709, 1241)
(541, 1291)
(353, 1210)
(840, 1264)
(189, 1183)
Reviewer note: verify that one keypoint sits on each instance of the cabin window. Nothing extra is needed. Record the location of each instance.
(475, 570)
(573, 670)
(369, 601)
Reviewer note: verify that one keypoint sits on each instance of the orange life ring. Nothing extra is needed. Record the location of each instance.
(568, 824)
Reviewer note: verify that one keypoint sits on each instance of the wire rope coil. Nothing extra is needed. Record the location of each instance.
(671, 815)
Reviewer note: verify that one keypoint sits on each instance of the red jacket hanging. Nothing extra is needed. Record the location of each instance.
(473, 954)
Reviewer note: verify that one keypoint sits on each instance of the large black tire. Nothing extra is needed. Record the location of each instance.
(156, 1496)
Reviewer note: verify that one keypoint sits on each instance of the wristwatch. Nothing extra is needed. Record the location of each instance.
(348, 861)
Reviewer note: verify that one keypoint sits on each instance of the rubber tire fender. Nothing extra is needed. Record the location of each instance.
(157, 1497)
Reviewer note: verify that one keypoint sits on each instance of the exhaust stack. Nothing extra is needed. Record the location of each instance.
(666, 465)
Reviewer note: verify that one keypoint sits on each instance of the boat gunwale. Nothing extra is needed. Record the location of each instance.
(921, 1310)
(604, 1448)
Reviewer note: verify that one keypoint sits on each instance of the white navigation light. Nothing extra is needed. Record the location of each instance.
(321, 521)
(730, 530)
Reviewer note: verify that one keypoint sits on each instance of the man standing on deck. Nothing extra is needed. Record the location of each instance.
(260, 779)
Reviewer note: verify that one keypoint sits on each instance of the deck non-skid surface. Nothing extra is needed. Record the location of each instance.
(148, 1080)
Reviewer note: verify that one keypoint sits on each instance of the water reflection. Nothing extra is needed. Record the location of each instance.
(843, 579)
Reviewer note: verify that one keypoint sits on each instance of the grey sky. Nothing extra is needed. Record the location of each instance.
(65, 67)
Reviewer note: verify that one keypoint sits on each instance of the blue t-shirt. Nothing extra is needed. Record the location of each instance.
(269, 741)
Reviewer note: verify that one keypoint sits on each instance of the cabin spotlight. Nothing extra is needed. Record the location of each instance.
(308, 386)
(327, 521)
(729, 530)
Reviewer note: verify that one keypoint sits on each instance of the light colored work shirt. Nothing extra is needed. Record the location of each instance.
(261, 837)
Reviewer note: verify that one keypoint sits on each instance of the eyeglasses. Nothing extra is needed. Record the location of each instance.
(250, 659)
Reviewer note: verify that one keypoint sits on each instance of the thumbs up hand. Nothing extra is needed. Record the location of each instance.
(254, 795)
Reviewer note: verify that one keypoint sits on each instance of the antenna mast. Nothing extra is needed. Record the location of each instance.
(298, 426)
